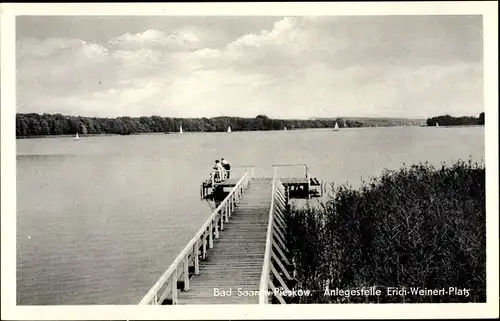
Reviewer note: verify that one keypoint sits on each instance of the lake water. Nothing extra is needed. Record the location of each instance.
(99, 220)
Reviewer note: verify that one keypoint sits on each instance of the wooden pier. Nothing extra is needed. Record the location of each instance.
(239, 255)
(235, 261)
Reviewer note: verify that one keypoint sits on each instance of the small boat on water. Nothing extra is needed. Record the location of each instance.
(77, 137)
(228, 129)
(437, 124)
(284, 128)
(180, 130)
(336, 128)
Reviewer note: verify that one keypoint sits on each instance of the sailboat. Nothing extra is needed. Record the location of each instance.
(180, 130)
(336, 128)
(228, 129)
(437, 124)
(284, 128)
(77, 137)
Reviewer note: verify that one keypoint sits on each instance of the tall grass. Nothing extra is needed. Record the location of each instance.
(420, 226)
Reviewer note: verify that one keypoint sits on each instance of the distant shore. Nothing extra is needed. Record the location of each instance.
(188, 132)
(57, 124)
(36, 125)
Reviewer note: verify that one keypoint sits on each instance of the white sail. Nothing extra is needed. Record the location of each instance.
(229, 129)
(284, 128)
(336, 127)
(77, 137)
(437, 124)
(180, 130)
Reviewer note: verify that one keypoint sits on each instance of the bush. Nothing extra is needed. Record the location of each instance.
(415, 227)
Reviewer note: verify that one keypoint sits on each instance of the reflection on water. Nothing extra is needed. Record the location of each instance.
(99, 220)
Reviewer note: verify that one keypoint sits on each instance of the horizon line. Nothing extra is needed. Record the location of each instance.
(249, 117)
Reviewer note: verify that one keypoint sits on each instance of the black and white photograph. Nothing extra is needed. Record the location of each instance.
(294, 155)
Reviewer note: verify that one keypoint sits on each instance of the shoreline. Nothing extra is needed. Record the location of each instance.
(241, 131)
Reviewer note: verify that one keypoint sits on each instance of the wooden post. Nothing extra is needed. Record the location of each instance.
(211, 236)
(216, 228)
(308, 185)
(173, 284)
(204, 247)
(221, 221)
(186, 274)
(226, 214)
(196, 259)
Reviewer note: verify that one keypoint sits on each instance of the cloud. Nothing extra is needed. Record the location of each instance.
(301, 67)
(179, 40)
(277, 36)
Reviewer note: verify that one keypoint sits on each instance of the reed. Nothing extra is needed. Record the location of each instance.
(419, 226)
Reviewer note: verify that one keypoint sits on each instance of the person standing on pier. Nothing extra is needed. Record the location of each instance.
(218, 177)
(226, 166)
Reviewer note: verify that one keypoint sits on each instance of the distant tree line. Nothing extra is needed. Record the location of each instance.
(448, 120)
(56, 124)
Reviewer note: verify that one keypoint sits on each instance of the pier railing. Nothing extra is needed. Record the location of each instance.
(167, 284)
(275, 259)
(306, 169)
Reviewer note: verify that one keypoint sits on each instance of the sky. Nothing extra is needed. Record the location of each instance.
(282, 67)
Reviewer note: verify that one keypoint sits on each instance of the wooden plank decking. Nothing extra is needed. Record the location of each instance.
(230, 182)
(237, 256)
(299, 180)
